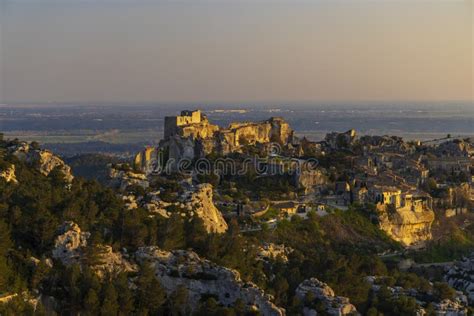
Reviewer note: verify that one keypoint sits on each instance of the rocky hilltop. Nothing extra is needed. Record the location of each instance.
(43, 160)
(195, 200)
(202, 277)
(71, 247)
(191, 135)
(178, 268)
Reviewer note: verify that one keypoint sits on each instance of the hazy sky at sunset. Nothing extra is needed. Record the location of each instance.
(235, 51)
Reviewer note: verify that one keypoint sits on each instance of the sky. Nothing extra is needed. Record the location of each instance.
(235, 51)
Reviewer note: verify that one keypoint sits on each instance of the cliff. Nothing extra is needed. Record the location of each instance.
(191, 137)
(237, 134)
(201, 278)
(405, 225)
(198, 202)
(308, 179)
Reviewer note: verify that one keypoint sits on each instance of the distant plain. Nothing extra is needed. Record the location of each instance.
(134, 126)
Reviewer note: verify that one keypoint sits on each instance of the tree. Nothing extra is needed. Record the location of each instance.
(125, 296)
(174, 237)
(443, 291)
(150, 294)
(5, 245)
(91, 302)
(281, 287)
(109, 303)
(178, 301)
(196, 234)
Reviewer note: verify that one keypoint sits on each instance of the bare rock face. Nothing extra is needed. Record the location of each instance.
(44, 160)
(337, 140)
(48, 161)
(70, 247)
(202, 277)
(308, 179)
(317, 291)
(407, 226)
(461, 276)
(199, 202)
(8, 174)
(124, 178)
(190, 135)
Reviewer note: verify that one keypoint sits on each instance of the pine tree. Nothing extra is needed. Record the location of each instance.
(125, 296)
(5, 245)
(91, 302)
(175, 235)
(109, 303)
(150, 295)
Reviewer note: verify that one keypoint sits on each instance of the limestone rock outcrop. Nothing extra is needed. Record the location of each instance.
(313, 291)
(70, 247)
(307, 178)
(461, 276)
(122, 178)
(275, 130)
(190, 136)
(406, 226)
(198, 202)
(44, 160)
(202, 277)
(337, 140)
(153, 204)
(8, 174)
(69, 244)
